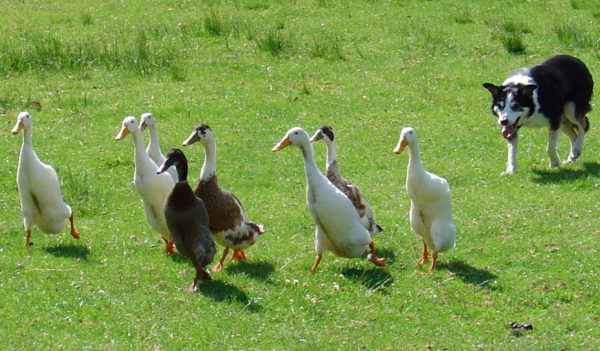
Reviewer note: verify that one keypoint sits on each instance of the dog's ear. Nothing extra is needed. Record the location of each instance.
(492, 88)
(528, 89)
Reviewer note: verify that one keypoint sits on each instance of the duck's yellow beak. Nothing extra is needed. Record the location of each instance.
(17, 128)
(283, 143)
(122, 134)
(401, 145)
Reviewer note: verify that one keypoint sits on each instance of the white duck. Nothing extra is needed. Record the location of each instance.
(41, 199)
(347, 187)
(153, 149)
(430, 206)
(153, 188)
(229, 224)
(339, 228)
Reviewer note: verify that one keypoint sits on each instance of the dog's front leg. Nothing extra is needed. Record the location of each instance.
(511, 164)
(551, 148)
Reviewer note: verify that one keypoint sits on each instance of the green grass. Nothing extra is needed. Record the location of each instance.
(527, 245)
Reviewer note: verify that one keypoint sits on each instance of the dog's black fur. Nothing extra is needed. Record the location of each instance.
(556, 93)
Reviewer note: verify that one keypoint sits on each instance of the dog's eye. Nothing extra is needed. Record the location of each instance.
(516, 106)
(501, 104)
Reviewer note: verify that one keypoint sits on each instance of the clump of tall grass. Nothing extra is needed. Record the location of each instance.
(86, 19)
(463, 17)
(328, 46)
(573, 36)
(513, 43)
(274, 41)
(515, 27)
(36, 51)
(214, 24)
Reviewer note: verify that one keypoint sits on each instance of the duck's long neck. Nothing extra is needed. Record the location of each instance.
(138, 143)
(27, 147)
(310, 168)
(414, 163)
(182, 171)
(153, 144)
(331, 152)
(27, 138)
(208, 168)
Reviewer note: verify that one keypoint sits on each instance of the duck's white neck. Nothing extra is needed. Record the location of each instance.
(208, 168)
(27, 148)
(331, 152)
(310, 168)
(153, 144)
(414, 163)
(27, 136)
(138, 144)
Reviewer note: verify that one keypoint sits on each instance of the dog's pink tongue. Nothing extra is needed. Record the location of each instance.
(507, 131)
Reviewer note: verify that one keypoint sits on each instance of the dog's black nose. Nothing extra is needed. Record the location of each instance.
(504, 122)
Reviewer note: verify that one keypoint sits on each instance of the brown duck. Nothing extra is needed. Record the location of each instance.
(229, 224)
(348, 188)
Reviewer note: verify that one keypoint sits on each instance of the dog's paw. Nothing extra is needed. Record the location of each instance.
(553, 164)
(568, 161)
(507, 172)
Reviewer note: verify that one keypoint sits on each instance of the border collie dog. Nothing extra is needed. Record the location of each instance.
(555, 94)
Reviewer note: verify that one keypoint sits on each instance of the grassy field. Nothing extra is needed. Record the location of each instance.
(527, 244)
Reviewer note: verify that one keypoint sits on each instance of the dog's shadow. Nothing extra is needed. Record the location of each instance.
(566, 174)
(471, 275)
(69, 251)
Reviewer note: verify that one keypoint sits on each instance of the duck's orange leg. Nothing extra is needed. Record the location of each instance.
(74, 233)
(425, 257)
(435, 255)
(374, 259)
(238, 255)
(169, 247)
(219, 264)
(27, 236)
(317, 260)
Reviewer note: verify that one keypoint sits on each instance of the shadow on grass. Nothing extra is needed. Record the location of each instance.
(373, 278)
(565, 174)
(179, 258)
(471, 275)
(70, 251)
(256, 270)
(223, 292)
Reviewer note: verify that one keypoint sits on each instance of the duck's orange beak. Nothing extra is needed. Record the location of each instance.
(401, 145)
(17, 128)
(122, 134)
(283, 143)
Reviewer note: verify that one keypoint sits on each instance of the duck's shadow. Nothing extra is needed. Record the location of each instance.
(179, 258)
(471, 275)
(223, 292)
(565, 174)
(69, 251)
(258, 270)
(374, 279)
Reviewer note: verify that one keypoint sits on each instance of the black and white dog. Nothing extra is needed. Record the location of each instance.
(554, 94)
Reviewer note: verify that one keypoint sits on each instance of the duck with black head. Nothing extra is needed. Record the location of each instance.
(187, 219)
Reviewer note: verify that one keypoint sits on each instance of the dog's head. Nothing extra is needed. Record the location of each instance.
(511, 104)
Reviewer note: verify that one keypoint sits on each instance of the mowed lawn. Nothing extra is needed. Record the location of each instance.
(527, 244)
